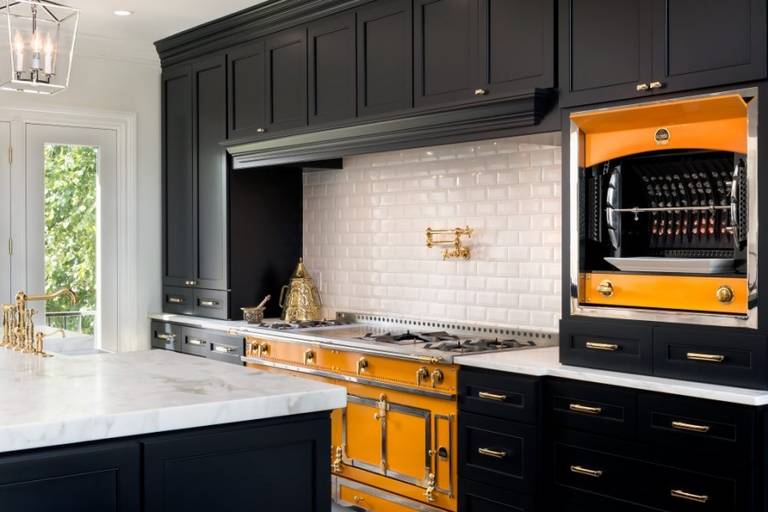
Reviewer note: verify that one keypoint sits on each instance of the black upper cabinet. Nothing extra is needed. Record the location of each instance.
(210, 176)
(604, 49)
(445, 50)
(286, 54)
(384, 57)
(178, 203)
(332, 69)
(635, 48)
(517, 45)
(247, 90)
(699, 43)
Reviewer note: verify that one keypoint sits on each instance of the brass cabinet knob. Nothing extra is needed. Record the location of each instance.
(724, 294)
(605, 288)
(362, 364)
(641, 87)
(656, 85)
(190, 282)
(437, 378)
(309, 357)
(422, 374)
(481, 92)
(261, 130)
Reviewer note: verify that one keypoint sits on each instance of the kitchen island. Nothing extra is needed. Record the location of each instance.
(158, 430)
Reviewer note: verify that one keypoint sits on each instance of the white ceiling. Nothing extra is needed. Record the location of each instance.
(132, 36)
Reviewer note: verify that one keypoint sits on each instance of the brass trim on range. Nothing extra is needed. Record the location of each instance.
(597, 345)
(691, 427)
(351, 378)
(373, 491)
(685, 495)
(585, 409)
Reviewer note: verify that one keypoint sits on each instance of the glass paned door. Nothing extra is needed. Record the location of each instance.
(71, 230)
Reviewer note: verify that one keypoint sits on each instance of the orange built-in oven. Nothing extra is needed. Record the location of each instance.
(663, 210)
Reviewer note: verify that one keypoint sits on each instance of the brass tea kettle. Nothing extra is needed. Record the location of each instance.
(302, 302)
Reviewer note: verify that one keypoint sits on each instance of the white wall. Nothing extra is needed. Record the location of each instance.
(100, 83)
(364, 239)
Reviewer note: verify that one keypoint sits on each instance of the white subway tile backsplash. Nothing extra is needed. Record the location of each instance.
(364, 228)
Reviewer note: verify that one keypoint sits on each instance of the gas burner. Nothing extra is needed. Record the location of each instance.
(305, 324)
(405, 338)
(481, 345)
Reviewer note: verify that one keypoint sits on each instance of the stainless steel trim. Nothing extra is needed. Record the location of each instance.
(350, 378)
(373, 491)
(750, 319)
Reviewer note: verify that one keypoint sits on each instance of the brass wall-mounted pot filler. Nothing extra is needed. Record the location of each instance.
(18, 327)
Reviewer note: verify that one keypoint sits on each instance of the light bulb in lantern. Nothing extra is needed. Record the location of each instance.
(37, 46)
(48, 55)
(18, 48)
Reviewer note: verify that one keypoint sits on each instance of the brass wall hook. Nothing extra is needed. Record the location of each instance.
(454, 248)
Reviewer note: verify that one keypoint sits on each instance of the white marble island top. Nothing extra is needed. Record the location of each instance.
(545, 361)
(62, 400)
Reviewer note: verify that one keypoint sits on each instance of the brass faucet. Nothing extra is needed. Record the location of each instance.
(18, 327)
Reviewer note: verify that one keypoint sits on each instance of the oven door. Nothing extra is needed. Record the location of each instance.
(388, 438)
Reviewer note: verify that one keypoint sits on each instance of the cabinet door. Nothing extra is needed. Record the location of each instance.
(247, 90)
(701, 43)
(445, 50)
(384, 57)
(332, 87)
(605, 49)
(178, 194)
(210, 129)
(517, 46)
(287, 80)
(97, 478)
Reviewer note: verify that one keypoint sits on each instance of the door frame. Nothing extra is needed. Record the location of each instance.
(129, 325)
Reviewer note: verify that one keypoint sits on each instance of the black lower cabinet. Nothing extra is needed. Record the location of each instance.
(272, 465)
(592, 447)
(92, 478)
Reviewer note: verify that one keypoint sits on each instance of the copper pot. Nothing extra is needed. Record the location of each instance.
(302, 300)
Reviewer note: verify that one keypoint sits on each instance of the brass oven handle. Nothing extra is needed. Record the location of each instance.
(223, 349)
(496, 454)
(585, 409)
(166, 337)
(607, 347)
(309, 357)
(362, 364)
(175, 300)
(691, 427)
(684, 495)
(195, 341)
(491, 396)
(605, 288)
(709, 358)
(581, 470)
(207, 303)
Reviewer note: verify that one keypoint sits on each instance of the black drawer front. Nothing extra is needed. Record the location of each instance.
(228, 349)
(593, 408)
(211, 303)
(720, 358)
(700, 427)
(196, 342)
(675, 490)
(598, 473)
(492, 450)
(477, 497)
(511, 397)
(618, 347)
(179, 301)
(166, 336)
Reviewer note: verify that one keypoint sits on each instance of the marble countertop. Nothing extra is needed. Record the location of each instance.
(544, 361)
(62, 400)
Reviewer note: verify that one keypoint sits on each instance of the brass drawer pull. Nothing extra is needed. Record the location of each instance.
(481, 92)
(656, 85)
(175, 300)
(166, 337)
(709, 358)
(207, 303)
(496, 454)
(683, 495)
(585, 409)
(223, 349)
(491, 396)
(691, 427)
(607, 347)
(641, 87)
(581, 470)
(195, 341)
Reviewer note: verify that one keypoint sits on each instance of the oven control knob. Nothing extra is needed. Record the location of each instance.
(724, 294)
(605, 288)
(422, 374)
(262, 349)
(437, 378)
(362, 364)
(309, 357)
